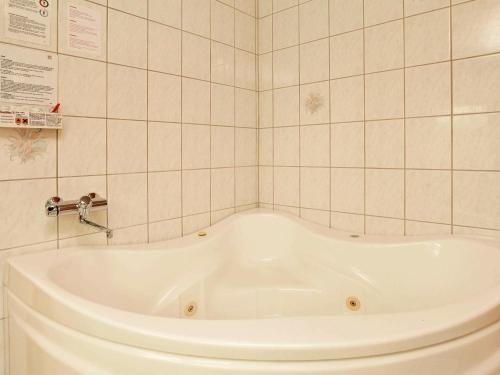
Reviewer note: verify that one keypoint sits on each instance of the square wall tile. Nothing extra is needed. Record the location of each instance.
(385, 144)
(245, 108)
(419, 6)
(196, 56)
(347, 222)
(26, 208)
(127, 93)
(194, 223)
(266, 109)
(266, 71)
(247, 6)
(314, 58)
(316, 216)
(222, 105)
(164, 195)
(418, 228)
(195, 146)
(345, 15)
(82, 97)
(428, 90)
(476, 84)
(384, 47)
(347, 99)
(279, 5)
(120, 206)
(166, 59)
(428, 142)
(244, 32)
(265, 33)
(315, 103)
(167, 12)
(428, 196)
(286, 186)
(265, 7)
(127, 146)
(222, 190)
(222, 19)
(315, 146)
(286, 106)
(346, 54)
(195, 101)
(427, 38)
(286, 146)
(132, 235)
(266, 147)
(286, 28)
(244, 70)
(385, 192)
(286, 67)
(164, 97)
(196, 16)
(246, 185)
(124, 47)
(476, 141)
(139, 8)
(378, 11)
(36, 161)
(348, 145)
(164, 146)
(165, 230)
(475, 28)
(315, 188)
(246, 147)
(348, 190)
(384, 226)
(222, 59)
(266, 184)
(195, 191)
(313, 20)
(222, 145)
(384, 95)
(476, 202)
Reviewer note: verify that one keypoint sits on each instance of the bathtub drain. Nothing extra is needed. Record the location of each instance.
(190, 309)
(353, 303)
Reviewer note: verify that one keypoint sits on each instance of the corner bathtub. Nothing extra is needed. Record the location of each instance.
(261, 293)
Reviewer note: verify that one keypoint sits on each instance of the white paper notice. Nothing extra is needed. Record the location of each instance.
(84, 29)
(28, 76)
(28, 20)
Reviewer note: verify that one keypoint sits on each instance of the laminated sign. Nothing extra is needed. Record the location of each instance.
(28, 20)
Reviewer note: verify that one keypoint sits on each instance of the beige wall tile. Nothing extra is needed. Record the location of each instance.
(165, 230)
(385, 192)
(346, 54)
(428, 196)
(348, 190)
(427, 38)
(164, 146)
(196, 16)
(286, 106)
(265, 42)
(245, 32)
(166, 11)
(245, 108)
(475, 28)
(315, 188)
(246, 185)
(127, 93)
(194, 223)
(476, 201)
(313, 20)
(138, 8)
(428, 142)
(348, 144)
(247, 6)
(196, 57)
(476, 84)
(385, 144)
(286, 186)
(316, 216)
(266, 71)
(476, 141)
(222, 188)
(244, 70)
(384, 95)
(345, 15)
(283, 4)
(195, 101)
(195, 146)
(378, 11)
(314, 58)
(418, 228)
(347, 222)
(164, 195)
(216, 216)
(122, 158)
(286, 67)
(222, 63)
(266, 147)
(265, 7)
(428, 90)
(166, 59)
(420, 6)
(124, 47)
(347, 99)
(246, 147)
(222, 146)
(286, 28)
(384, 226)
(132, 235)
(265, 109)
(222, 22)
(266, 184)
(222, 105)
(315, 146)
(286, 146)
(384, 47)
(314, 103)
(195, 191)
(120, 205)
(164, 97)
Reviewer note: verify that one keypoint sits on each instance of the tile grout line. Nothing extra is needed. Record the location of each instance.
(405, 187)
(452, 174)
(364, 122)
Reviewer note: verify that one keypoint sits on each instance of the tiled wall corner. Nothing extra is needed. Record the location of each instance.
(397, 101)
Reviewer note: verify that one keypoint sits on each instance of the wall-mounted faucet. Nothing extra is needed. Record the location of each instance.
(55, 206)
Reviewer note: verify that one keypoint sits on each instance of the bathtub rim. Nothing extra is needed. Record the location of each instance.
(207, 338)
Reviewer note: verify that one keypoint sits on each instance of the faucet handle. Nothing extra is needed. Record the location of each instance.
(84, 204)
(52, 206)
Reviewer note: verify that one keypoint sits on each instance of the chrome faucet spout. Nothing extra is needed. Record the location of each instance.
(109, 232)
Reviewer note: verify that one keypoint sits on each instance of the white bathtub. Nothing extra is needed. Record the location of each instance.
(268, 295)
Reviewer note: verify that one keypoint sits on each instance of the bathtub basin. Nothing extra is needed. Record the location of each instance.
(260, 293)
